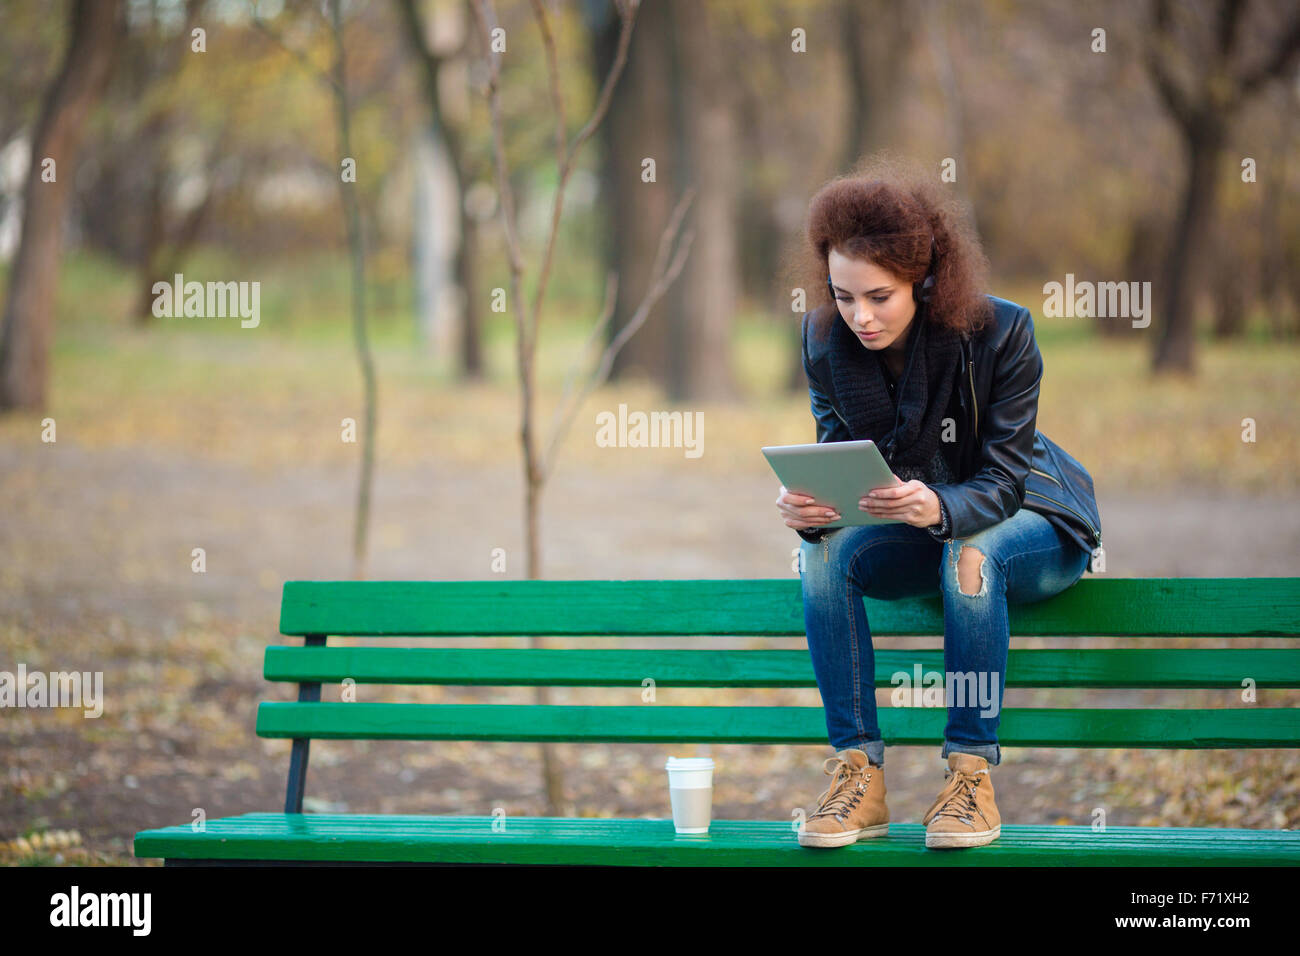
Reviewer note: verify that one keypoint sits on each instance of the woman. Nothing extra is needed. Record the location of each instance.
(912, 354)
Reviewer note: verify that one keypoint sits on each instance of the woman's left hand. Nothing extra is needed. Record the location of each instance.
(912, 502)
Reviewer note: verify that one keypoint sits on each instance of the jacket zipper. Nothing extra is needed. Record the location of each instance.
(826, 548)
(839, 416)
(970, 367)
(1071, 510)
(1050, 478)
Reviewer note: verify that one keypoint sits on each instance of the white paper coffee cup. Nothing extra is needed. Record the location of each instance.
(690, 788)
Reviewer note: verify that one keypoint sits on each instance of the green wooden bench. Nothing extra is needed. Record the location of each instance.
(1100, 607)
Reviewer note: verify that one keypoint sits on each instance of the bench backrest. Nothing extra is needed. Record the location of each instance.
(1094, 607)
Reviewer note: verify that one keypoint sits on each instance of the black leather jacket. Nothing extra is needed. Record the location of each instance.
(1002, 462)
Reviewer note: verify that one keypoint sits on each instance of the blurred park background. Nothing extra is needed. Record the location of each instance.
(348, 157)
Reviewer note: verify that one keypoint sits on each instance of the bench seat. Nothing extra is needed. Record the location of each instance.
(371, 838)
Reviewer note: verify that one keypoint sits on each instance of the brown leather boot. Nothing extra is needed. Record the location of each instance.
(964, 813)
(852, 808)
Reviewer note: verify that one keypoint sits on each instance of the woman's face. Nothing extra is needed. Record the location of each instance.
(871, 300)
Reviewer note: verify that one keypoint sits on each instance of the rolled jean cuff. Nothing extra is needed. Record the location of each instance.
(874, 749)
(990, 752)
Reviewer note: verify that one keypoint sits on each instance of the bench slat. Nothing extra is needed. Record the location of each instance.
(1181, 728)
(1119, 606)
(465, 839)
(1107, 667)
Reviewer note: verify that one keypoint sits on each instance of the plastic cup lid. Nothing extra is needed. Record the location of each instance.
(689, 763)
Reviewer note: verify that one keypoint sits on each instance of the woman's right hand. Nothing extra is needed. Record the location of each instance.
(801, 511)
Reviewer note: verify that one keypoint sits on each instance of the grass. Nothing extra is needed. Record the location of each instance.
(278, 393)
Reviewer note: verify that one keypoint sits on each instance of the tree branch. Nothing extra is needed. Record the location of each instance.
(1157, 52)
(1281, 60)
(430, 62)
(275, 37)
(661, 279)
(627, 10)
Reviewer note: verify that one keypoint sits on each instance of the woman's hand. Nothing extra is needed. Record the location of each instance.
(911, 502)
(802, 511)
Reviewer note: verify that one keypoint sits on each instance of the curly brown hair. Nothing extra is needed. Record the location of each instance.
(885, 211)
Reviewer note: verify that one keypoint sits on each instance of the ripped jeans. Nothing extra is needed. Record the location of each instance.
(1026, 558)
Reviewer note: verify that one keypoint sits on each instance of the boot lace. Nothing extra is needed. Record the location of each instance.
(840, 797)
(958, 798)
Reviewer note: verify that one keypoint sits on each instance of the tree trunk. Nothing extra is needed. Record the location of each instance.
(471, 346)
(640, 124)
(448, 136)
(1221, 84)
(357, 254)
(1231, 274)
(153, 225)
(703, 336)
(166, 254)
(954, 107)
(1143, 260)
(1273, 260)
(1230, 303)
(29, 308)
(1175, 346)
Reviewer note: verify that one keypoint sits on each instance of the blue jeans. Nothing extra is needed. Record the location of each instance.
(1026, 558)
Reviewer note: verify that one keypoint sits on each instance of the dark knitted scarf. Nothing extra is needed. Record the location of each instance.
(859, 384)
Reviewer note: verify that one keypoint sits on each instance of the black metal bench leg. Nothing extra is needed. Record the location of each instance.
(308, 692)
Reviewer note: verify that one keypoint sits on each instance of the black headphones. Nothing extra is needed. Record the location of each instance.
(922, 293)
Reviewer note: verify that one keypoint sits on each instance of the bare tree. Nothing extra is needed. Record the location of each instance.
(151, 62)
(1203, 94)
(95, 31)
(336, 78)
(431, 64)
(538, 464)
(357, 253)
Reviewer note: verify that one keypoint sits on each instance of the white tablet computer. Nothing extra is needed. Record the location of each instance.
(834, 473)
